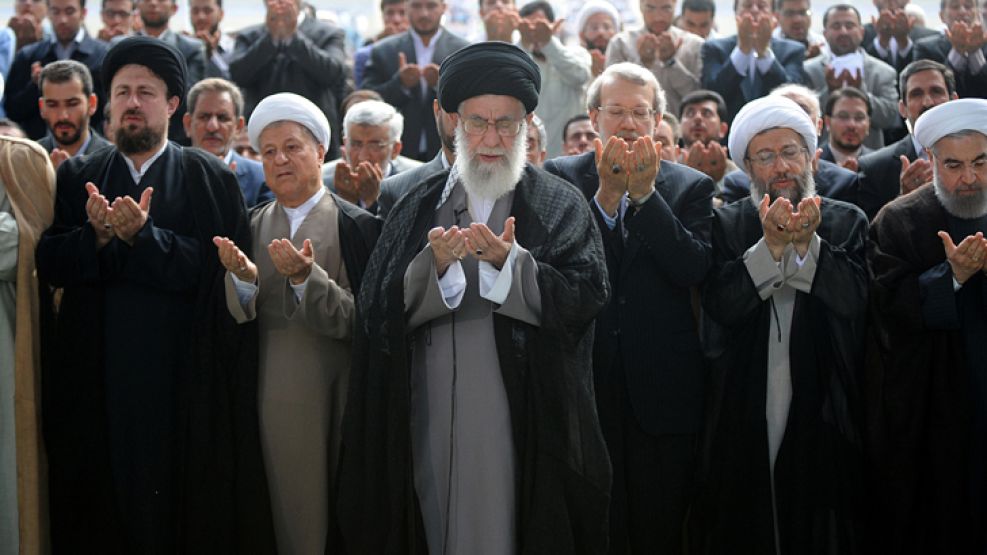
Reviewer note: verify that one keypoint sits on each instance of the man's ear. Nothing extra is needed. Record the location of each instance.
(173, 103)
(396, 149)
(187, 123)
(240, 122)
(93, 104)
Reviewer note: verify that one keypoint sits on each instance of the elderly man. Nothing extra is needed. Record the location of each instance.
(67, 103)
(962, 46)
(673, 55)
(536, 139)
(784, 310)
(310, 249)
(654, 217)
(928, 398)
(371, 152)
(579, 134)
(470, 393)
(150, 407)
(847, 122)
(27, 190)
(597, 23)
(213, 120)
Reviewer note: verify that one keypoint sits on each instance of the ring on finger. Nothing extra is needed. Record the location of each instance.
(479, 252)
(616, 168)
(640, 166)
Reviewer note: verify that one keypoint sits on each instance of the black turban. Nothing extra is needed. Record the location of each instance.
(488, 68)
(163, 59)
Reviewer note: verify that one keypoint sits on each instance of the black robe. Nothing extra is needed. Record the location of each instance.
(819, 464)
(150, 387)
(925, 392)
(564, 473)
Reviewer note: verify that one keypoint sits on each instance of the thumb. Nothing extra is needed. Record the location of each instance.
(557, 25)
(904, 162)
(947, 242)
(435, 233)
(145, 202)
(307, 248)
(233, 166)
(818, 154)
(508, 235)
(762, 208)
(91, 189)
(402, 60)
(598, 149)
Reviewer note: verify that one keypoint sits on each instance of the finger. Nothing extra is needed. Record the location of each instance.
(598, 149)
(307, 248)
(91, 189)
(402, 60)
(508, 235)
(435, 233)
(145, 203)
(947, 242)
(904, 163)
(764, 206)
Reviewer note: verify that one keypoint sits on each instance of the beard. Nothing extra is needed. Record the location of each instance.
(490, 180)
(965, 207)
(65, 138)
(805, 187)
(135, 141)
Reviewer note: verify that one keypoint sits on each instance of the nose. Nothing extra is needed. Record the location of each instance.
(212, 124)
(280, 157)
(969, 175)
(490, 136)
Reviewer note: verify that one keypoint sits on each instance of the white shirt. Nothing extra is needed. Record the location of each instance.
(136, 174)
(65, 52)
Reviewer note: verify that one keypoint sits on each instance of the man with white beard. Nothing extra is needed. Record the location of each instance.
(784, 312)
(929, 301)
(470, 425)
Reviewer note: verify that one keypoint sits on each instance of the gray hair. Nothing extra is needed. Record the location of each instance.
(631, 73)
(801, 95)
(216, 85)
(375, 113)
(542, 134)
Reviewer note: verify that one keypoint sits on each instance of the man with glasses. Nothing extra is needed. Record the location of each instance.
(654, 217)
(847, 117)
(371, 152)
(470, 425)
(783, 318)
(962, 46)
(118, 19)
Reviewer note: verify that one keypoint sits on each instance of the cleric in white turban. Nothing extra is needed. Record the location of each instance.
(309, 250)
(784, 308)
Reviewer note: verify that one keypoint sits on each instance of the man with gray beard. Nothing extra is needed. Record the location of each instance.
(784, 307)
(928, 357)
(470, 424)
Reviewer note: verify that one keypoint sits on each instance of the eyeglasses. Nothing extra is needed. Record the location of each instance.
(373, 146)
(115, 14)
(767, 158)
(845, 117)
(796, 13)
(640, 113)
(475, 125)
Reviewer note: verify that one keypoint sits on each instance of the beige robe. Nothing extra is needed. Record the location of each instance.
(304, 370)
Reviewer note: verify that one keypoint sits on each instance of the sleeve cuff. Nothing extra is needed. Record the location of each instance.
(765, 62)
(741, 62)
(611, 221)
(453, 285)
(245, 291)
(496, 284)
(298, 290)
(763, 269)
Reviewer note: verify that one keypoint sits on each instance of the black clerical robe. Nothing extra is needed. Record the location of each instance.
(150, 399)
(926, 392)
(563, 473)
(817, 472)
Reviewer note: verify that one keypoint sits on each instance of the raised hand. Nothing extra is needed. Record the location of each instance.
(98, 211)
(234, 260)
(290, 262)
(484, 245)
(58, 156)
(128, 217)
(448, 246)
(914, 174)
(369, 177)
(764, 25)
(431, 75)
(667, 46)
(347, 182)
(967, 258)
(599, 62)
(644, 159)
(613, 171)
(776, 221)
(409, 74)
(804, 223)
(711, 159)
(647, 48)
(745, 33)
(501, 23)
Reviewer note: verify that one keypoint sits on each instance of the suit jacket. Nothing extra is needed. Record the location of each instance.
(880, 175)
(97, 142)
(832, 181)
(381, 75)
(21, 98)
(968, 84)
(898, 64)
(394, 187)
(721, 76)
(312, 64)
(827, 152)
(647, 334)
(880, 84)
(250, 176)
(398, 165)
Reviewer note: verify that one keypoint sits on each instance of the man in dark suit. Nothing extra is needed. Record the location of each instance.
(893, 38)
(70, 42)
(963, 49)
(67, 103)
(902, 167)
(214, 118)
(750, 62)
(283, 55)
(404, 69)
(847, 119)
(647, 361)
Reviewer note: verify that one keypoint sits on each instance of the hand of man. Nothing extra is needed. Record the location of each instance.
(543, 31)
(804, 223)
(884, 27)
(235, 262)
(599, 62)
(710, 159)
(290, 262)
(128, 217)
(501, 24)
(901, 27)
(667, 46)
(613, 171)
(745, 33)
(106, 33)
(914, 174)
(369, 177)
(485, 246)
(851, 164)
(647, 48)
(813, 50)
(347, 183)
(210, 40)
(644, 159)
(58, 156)
(409, 74)
(36, 73)
(776, 222)
(448, 246)
(765, 24)
(98, 211)
(27, 29)
(283, 20)
(431, 75)
(967, 258)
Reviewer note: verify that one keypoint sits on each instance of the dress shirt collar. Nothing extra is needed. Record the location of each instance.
(297, 215)
(64, 52)
(136, 174)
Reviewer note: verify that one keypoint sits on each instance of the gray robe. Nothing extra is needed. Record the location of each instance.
(8, 440)
(304, 371)
(462, 443)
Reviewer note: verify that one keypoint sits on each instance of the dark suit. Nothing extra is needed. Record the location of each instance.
(393, 188)
(95, 143)
(381, 75)
(968, 84)
(250, 176)
(880, 175)
(721, 76)
(827, 152)
(832, 181)
(915, 35)
(647, 361)
(21, 98)
(312, 64)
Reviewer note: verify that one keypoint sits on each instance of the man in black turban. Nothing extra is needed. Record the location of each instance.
(470, 425)
(150, 399)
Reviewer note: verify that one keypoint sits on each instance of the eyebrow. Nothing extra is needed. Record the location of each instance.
(983, 156)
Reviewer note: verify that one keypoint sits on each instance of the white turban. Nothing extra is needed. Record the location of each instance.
(593, 7)
(288, 107)
(766, 113)
(951, 117)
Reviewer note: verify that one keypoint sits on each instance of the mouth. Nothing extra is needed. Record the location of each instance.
(489, 158)
(782, 183)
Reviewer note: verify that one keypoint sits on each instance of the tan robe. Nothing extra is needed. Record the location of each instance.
(304, 370)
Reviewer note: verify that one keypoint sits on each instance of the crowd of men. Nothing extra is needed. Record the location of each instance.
(645, 289)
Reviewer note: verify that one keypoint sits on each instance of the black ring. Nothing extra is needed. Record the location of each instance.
(616, 168)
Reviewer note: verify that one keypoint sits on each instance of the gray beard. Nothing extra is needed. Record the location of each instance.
(805, 187)
(966, 207)
(490, 181)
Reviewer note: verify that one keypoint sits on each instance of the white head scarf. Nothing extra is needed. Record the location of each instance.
(951, 117)
(593, 7)
(766, 113)
(288, 107)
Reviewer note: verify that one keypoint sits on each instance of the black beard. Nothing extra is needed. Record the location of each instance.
(135, 142)
(600, 49)
(71, 140)
(846, 146)
(158, 23)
